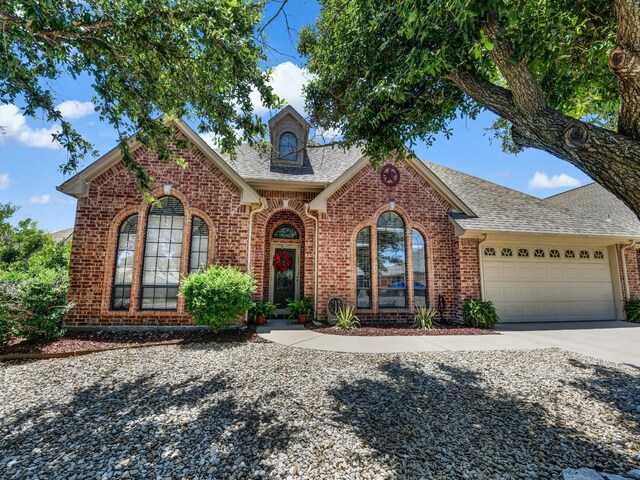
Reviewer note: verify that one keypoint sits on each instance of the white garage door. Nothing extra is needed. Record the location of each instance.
(546, 284)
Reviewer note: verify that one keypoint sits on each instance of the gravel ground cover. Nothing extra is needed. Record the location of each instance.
(74, 341)
(254, 410)
(396, 331)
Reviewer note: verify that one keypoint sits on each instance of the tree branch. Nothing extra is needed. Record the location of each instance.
(527, 94)
(624, 61)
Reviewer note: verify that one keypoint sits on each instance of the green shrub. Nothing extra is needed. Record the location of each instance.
(632, 309)
(424, 318)
(480, 314)
(217, 296)
(34, 278)
(34, 303)
(346, 319)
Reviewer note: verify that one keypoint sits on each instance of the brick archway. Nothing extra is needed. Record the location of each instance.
(279, 218)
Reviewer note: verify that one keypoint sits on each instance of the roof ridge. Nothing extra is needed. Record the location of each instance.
(571, 190)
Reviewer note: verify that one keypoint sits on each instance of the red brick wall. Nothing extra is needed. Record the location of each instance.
(358, 204)
(203, 189)
(633, 273)
(452, 264)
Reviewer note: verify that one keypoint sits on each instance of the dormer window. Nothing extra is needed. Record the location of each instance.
(288, 147)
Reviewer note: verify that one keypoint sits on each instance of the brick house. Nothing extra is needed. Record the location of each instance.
(415, 233)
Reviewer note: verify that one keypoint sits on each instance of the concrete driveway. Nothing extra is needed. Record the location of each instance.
(613, 341)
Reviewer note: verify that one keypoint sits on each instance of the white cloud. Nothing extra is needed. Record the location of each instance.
(542, 180)
(75, 109)
(40, 199)
(16, 129)
(287, 80)
(4, 181)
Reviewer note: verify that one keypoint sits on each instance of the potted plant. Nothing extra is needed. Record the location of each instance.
(300, 309)
(262, 309)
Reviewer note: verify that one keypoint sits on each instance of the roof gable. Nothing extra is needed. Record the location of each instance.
(319, 203)
(78, 185)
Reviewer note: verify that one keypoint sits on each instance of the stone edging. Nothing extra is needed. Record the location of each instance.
(77, 353)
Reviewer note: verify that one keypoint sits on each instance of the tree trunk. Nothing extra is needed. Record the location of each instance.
(612, 159)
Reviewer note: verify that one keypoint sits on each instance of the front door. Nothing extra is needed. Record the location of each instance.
(284, 285)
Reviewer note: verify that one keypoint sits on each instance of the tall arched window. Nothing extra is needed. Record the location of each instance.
(392, 262)
(288, 147)
(162, 253)
(123, 272)
(419, 269)
(199, 245)
(363, 268)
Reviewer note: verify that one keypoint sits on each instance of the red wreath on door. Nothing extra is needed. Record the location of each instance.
(282, 261)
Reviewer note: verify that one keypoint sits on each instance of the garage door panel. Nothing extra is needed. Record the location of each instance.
(549, 289)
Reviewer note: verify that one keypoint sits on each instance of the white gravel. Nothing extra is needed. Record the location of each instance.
(267, 411)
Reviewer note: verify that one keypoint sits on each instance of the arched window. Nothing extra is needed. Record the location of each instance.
(419, 269)
(392, 262)
(162, 253)
(123, 272)
(288, 147)
(285, 231)
(199, 245)
(363, 268)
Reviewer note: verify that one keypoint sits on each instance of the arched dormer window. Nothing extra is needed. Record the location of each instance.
(162, 255)
(288, 147)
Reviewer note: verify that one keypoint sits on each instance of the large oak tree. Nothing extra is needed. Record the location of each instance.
(181, 58)
(562, 75)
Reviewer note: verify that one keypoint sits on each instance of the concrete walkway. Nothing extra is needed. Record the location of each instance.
(613, 341)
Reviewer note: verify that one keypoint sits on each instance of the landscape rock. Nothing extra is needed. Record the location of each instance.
(265, 411)
(581, 474)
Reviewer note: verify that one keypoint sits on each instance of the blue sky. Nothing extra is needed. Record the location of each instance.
(29, 161)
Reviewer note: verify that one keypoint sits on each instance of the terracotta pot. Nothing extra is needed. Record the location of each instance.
(261, 320)
(302, 319)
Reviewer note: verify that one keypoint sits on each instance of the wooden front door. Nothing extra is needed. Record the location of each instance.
(285, 285)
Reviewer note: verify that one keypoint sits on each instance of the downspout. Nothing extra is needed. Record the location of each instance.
(627, 294)
(315, 258)
(263, 205)
(480, 256)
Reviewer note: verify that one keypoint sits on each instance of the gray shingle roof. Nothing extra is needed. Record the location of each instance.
(502, 209)
(498, 208)
(594, 200)
(62, 235)
(322, 164)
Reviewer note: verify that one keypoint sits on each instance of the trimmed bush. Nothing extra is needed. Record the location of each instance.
(479, 314)
(632, 309)
(217, 296)
(33, 303)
